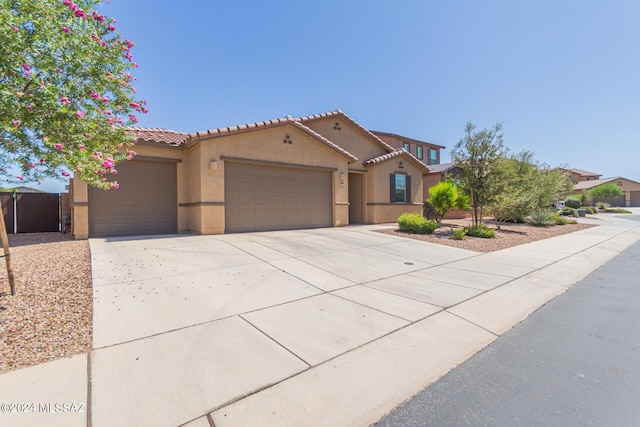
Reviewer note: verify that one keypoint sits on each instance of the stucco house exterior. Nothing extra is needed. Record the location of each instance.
(315, 171)
(631, 189)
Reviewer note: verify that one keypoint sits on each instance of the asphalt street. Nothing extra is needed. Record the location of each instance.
(574, 362)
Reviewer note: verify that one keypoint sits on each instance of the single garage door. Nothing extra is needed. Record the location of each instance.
(145, 203)
(259, 197)
(635, 198)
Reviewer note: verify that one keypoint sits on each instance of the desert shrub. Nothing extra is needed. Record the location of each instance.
(603, 205)
(619, 210)
(591, 210)
(416, 223)
(561, 220)
(459, 234)
(572, 202)
(568, 212)
(540, 218)
(480, 230)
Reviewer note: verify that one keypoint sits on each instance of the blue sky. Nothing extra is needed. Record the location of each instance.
(562, 76)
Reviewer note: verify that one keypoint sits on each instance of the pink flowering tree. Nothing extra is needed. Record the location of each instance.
(66, 92)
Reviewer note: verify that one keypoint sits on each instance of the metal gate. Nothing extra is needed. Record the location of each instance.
(31, 212)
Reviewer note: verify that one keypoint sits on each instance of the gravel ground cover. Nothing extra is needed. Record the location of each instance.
(509, 234)
(51, 315)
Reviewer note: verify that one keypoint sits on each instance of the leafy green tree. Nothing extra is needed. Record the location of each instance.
(65, 92)
(528, 187)
(478, 155)
(606, 192)
(444, 196)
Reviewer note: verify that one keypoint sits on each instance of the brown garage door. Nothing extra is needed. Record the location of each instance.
(145, 203)
(261, 197)
(635, 198)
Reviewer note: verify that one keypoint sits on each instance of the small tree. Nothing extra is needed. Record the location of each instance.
(444, 196)
(606, 192)
(478, 154)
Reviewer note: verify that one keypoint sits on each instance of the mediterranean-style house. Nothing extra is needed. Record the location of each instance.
(630, 188)
(316, 171)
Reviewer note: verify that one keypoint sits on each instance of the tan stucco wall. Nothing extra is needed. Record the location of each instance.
(265, 145)
(378, 207)
(627, 186)
(428, 181)
(398, 142)
(348, 137)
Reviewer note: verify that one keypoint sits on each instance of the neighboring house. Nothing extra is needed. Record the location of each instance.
(579, 175)
(23, 189)
(631, 189)
(426, 152)
(316, 171)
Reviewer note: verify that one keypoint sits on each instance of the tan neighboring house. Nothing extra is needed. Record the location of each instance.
(316, 171)
(630, 188)
(579, 175)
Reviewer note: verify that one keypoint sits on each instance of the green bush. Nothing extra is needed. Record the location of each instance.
(619, 210)
(560, 220)
(568, 212)
(480, 231)
(572, 202)
(540, 218)
(591, 210)
(603, 205)
(416, 223)
(459, 234)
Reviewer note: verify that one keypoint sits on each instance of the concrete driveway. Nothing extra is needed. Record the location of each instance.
(316, 327)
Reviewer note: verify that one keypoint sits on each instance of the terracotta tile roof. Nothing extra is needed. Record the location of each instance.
(441, 167)
(586, 185)
(381, 135)
(249, 127)
(166, 136)
(340, 113)
(396, 153)
(584, 173)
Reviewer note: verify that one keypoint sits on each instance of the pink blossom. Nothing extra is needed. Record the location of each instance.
(134, 105)
(16, 123)
(86, 135)
(66, 2)
(115, 185)
(66, 30)
(81, 146)
(29, 166)
(80, 13)
(80, 114)
(14, 28)
(59, 147)
(133, 118)
(26, 67)
(95, 95)
(105, 99)
(42, 161)
(65, 173)
(107, 112)
(111, 27)
(58, 70)
(95, 37)
(129, 43)
(30, 106)
(21, 178)
(65, 100)
(129, 56)
(131, 154)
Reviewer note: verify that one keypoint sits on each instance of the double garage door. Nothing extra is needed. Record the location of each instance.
(260, 197)
(145, 203)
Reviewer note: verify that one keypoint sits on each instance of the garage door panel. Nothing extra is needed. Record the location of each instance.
(276, 198)
(145, 203)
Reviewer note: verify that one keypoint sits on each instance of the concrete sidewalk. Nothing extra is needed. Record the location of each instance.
(315, 327)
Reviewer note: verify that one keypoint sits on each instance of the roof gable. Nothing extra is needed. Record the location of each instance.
(394, 154)
(385, 135)
(339, 113)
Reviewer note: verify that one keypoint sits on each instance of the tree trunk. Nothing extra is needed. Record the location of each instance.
(7, 255)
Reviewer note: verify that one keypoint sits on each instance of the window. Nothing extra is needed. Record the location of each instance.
(419, 152)
(433, 156)
(619, 183)
(406, 147)
(400, 188)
